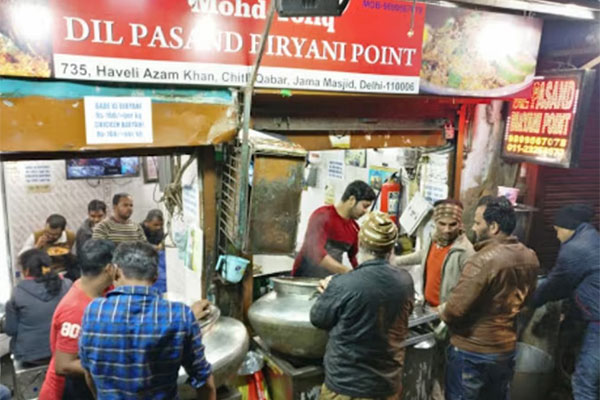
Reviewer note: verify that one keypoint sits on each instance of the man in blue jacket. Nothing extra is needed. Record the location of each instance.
(577, 274)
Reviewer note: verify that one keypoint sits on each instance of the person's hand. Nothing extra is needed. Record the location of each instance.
(42, 241)
(159, 247)
(323, 284)
(439, 309)
(201, 308)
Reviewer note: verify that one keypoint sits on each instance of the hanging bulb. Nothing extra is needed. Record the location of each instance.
(411, 31)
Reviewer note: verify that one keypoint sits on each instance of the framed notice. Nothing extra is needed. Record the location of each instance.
(547, 127)
(150, 169)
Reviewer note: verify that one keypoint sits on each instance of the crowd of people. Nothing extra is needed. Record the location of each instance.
(110, 334)
(65, 274)
(477, 290)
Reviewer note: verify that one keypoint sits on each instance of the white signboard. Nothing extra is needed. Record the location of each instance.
(191, 208)
(335, 169)
(37, 176)
(115, 120)
(434, 191)
(37, 173)
(415, 212)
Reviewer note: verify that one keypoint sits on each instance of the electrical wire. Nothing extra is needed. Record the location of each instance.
(172, 196)
(98, 183)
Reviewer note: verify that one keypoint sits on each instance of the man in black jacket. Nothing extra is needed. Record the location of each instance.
(366, 313)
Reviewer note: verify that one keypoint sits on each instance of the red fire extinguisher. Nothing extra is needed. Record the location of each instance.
(390, 198)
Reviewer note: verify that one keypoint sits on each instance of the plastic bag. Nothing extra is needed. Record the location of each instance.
(253, 362)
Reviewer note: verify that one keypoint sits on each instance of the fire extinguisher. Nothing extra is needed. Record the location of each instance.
(390, 198)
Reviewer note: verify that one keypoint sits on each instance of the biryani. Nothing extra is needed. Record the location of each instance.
(451, 58)
(57, 251)
(14, 61)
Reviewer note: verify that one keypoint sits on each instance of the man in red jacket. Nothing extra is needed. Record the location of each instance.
(333, 231)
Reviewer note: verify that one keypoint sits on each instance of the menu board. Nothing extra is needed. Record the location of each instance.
(546, 128)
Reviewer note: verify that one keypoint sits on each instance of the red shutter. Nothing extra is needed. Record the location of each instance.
(557, 187)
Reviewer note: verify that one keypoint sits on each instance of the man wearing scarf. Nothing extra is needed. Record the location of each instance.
(444, 254)
(441, 260)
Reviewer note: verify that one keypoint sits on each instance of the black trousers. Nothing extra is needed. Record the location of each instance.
(76, 388)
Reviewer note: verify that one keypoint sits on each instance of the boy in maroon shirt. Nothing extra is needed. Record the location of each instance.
(333, 231)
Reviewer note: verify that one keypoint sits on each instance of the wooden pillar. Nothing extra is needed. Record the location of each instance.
(460, 143)
(247, 289)
(208, 169)
(531, 181)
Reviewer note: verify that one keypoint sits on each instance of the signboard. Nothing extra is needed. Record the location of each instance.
(414, 213)
(335, 169)
(371, 48)
(110, 120)
(479, 54)
(546, 127)
(215, 42)
(37, 177)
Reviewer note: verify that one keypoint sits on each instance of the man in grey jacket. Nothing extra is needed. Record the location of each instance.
(441, 262)
(444, 254)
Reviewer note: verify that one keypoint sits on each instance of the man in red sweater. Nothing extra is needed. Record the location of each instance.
(333, 231)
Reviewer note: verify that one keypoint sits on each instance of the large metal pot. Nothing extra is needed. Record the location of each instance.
(226, 342)
(282, 318)
(533, 373)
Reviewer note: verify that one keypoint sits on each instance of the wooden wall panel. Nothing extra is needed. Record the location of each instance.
(41, 124)
(313, 141)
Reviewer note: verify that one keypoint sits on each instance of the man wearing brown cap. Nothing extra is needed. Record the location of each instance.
(366, 313)
(577, 274)
(444, 255)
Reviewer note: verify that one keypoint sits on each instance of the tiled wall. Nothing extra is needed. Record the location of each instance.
(27, 210)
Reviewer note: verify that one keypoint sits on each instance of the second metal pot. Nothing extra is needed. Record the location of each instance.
(282, 318)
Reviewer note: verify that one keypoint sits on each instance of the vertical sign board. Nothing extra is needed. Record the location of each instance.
(547, 127)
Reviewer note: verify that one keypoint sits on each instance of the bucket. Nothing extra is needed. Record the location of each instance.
(533, 373)
(232, 268)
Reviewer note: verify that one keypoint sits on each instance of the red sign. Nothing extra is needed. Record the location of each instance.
(542, 128)
(214, 42)
(374, 47)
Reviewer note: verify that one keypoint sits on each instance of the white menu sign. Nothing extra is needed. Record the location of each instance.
(113, 120)
(414, 213)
